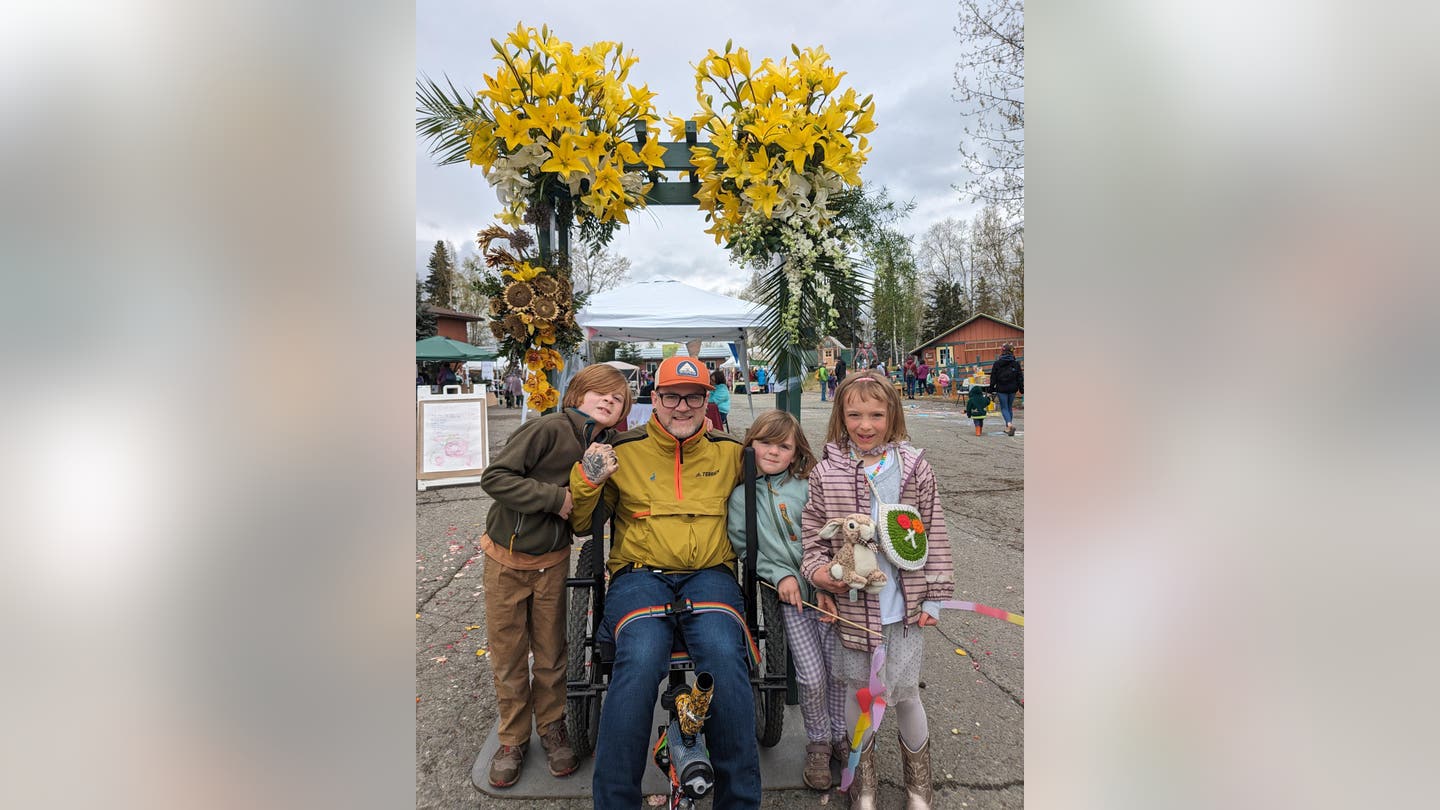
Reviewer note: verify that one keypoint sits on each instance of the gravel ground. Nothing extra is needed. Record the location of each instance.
(975, 702)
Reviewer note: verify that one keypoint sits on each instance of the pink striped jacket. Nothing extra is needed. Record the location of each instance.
(837, 488)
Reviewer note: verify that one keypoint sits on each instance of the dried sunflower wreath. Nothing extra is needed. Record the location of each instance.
(532, 311)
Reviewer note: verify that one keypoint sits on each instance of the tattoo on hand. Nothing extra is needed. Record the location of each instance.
(594, 465)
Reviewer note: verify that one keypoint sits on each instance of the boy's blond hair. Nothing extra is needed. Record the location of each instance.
(775, 426)
(867, 384)
(602, 378)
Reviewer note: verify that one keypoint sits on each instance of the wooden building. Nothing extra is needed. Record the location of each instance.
(975, 341)
(829, 352)
(451, 323)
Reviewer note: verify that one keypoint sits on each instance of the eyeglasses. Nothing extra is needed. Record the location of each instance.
(673, 400)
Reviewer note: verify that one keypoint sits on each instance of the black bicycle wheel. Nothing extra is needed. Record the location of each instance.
(770, 703)
(582, 713)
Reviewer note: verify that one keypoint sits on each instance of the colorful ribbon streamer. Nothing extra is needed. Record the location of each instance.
(870, 698)
(985, 610)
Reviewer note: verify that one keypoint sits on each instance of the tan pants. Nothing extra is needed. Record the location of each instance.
(525, 612)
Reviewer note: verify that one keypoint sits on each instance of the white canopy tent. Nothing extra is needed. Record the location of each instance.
(671, 310)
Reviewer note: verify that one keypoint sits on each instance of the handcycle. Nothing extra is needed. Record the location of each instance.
(590, 660)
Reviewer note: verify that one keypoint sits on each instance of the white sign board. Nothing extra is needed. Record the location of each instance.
(452, 439)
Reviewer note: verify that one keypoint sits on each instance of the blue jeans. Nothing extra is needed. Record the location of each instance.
(910, 387)
(716, 642)
(824, 389)
(1006, 400)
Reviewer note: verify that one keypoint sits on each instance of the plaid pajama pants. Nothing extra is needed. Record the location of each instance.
(822, 699)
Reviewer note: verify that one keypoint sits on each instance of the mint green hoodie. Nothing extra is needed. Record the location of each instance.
(780, 546)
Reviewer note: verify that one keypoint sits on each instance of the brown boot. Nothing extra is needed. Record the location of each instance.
(559, 756)
(505, 765)
(817, 766)
(919, 784)
(865, 788)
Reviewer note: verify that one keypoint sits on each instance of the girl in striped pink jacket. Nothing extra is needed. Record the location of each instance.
(868, 464)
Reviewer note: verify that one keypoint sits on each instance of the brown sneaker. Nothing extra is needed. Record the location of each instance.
(817, 766)
(558, 753)
(505, 765)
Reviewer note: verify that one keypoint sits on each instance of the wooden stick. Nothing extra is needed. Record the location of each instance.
(827, 613)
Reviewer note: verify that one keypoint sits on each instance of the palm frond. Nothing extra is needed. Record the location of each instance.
(442, 119)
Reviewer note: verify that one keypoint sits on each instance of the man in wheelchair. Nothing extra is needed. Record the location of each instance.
(672, 569)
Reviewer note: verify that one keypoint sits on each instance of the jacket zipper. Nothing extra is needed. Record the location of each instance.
(514, 533)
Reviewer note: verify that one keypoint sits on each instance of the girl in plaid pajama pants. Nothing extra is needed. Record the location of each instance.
(785, 459)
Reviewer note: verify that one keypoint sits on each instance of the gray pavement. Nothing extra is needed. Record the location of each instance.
(975, 702)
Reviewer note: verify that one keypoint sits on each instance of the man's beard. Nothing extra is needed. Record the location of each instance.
(692, 428)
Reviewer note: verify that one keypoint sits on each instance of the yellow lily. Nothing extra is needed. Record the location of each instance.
(652, 153)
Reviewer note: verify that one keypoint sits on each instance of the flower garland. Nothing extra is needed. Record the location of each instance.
(785, 146)
(557, 123)
(532, 313)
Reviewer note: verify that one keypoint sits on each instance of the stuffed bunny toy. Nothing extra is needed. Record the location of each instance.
(855, 563)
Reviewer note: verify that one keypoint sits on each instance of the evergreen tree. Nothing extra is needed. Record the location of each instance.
(896, 302)
(944, 308)
(424, 318)
(603, 351)
(985, 300)
(629, 353)
(440, 284)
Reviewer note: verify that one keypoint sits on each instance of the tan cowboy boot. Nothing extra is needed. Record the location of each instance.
(919, 784)
(865, 788)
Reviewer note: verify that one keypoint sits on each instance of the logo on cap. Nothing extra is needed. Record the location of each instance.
(686, 369)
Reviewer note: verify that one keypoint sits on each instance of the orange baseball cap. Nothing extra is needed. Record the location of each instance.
(682, 370)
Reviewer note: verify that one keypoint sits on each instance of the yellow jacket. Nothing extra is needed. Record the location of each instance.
(669, 498)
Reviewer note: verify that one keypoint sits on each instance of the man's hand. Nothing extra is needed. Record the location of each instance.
(789, 592)
(568, 506)
(826, 603)
(926, 620)
(825, 582)
(599, 463)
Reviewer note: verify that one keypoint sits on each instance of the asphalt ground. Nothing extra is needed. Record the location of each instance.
(975, 701)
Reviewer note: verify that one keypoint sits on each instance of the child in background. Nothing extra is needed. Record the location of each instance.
(867, 462)
(976, 405)
(784, 459)
(721, 397)
(527, 558)
(944, 380)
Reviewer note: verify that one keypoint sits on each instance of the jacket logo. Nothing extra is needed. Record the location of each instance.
(707, 474)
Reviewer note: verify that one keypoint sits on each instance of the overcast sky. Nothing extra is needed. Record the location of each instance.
(903, 53)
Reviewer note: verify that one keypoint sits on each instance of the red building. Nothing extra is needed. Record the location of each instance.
(976, 340)
(450, 323)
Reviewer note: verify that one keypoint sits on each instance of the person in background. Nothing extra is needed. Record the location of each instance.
(944, 382)
(1007, 378)
(721, 397)
(908, 369)
(839, 376)
(922, 378)
(823, 375)
(513, 388)
(446, 376)
(976, 405)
